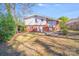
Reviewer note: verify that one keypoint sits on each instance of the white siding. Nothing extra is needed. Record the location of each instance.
(39, 22)
(31, 21)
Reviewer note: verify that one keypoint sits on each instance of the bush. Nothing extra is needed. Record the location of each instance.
(64, 28)
(20, 28)
(7, 27)
(64, 31)
(63, 25)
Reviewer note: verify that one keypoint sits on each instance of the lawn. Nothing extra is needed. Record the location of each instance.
(36, 44)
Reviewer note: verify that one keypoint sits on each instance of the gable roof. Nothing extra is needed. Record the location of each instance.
(48, 18)
(73, 20)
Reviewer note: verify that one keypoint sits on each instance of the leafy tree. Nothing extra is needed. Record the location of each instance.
(8, 23)
(7, 27)
(63, 26)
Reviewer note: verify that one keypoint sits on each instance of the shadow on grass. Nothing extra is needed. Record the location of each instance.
(6, 50)
(28, 47)
(48, 48)
(59, 45)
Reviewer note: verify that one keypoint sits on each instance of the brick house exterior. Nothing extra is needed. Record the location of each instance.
(38, 23)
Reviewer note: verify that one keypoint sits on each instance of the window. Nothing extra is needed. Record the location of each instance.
(42, 19)
(36, 20)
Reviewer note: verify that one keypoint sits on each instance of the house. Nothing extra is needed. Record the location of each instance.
(36, 23)
(73, 24)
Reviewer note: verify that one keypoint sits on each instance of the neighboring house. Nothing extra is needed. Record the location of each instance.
(38, 23)
(73, 24)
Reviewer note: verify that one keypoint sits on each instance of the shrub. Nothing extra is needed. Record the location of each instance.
(7, 27)
(20, 28)
(63, 25)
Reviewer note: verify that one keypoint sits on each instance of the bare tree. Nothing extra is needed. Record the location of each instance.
(23, 9)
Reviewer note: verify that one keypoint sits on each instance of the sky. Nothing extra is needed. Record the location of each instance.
(53, 10)
(57, 10)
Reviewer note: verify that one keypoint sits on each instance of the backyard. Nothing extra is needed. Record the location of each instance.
(24, 34)
(38, 44)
